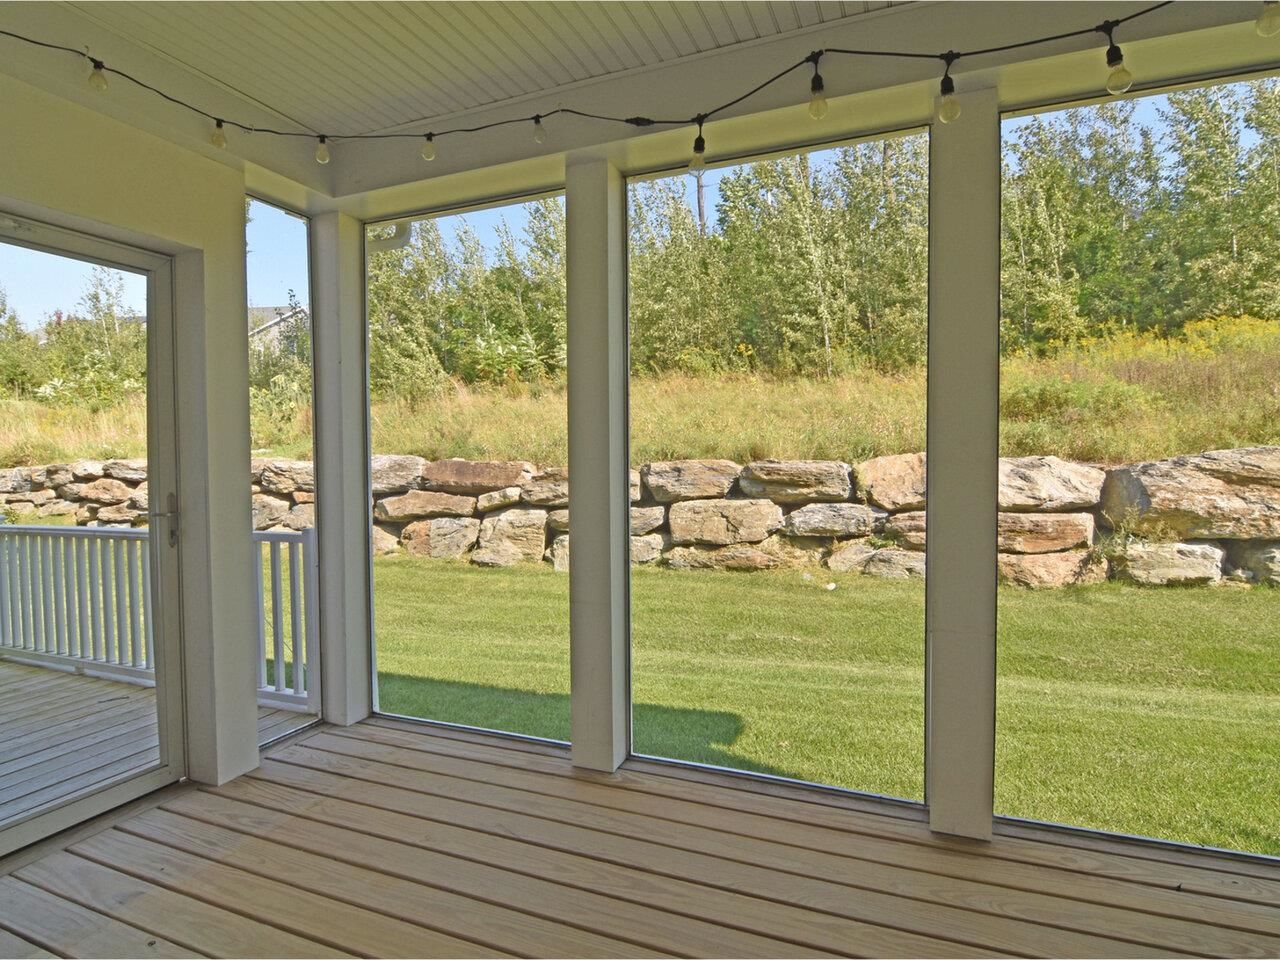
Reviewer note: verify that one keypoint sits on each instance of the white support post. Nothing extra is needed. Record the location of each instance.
(211, 349)
(342, 467)
(964, 369)
(599, 614)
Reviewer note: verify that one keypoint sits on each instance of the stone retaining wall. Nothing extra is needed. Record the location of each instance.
(1190, 520)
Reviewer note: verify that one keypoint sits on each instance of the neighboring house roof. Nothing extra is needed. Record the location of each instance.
(264, 322)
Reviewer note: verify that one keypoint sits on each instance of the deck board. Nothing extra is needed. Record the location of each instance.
(65, 733)
(392, 840)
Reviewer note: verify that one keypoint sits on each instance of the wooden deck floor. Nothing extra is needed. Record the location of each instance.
(64, 733)
(387, 839)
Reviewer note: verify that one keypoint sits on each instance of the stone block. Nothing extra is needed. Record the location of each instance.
(444, 538)
(474, 477)
(797, 481)
(723, 522)
(394, 473)
(1043, 532)
(840, 520)
(1221, 495)
(417, 504)
(894, 482)
(550, 488)
(669, 481)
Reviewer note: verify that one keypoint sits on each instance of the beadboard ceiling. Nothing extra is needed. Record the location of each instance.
(354, 67)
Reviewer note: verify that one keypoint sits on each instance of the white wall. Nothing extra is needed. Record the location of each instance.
(71, 166)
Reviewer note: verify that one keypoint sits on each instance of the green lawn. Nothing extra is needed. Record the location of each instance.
(1153, 712)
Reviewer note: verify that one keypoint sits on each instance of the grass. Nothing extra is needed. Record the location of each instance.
(1112, 713)
(1123, 398)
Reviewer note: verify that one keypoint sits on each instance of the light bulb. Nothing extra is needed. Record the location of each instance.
(1268, 22)
(699, 158)
(539, 131)
(429, 147)
(948, 106)
(322, 151)
(817, 100)
(219, 138)
(98, 78)
(949, 109)
(1120, 79)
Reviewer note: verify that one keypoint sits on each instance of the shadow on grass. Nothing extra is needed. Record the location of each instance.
(700, 736)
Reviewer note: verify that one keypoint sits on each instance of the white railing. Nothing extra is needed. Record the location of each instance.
(288, 601)
(79, 598)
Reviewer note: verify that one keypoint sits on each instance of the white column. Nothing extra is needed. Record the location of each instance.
(964, 368)
(342, 466)
(599, 614)
(211, 387)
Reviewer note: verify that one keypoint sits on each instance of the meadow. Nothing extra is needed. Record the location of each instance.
(1121, 398)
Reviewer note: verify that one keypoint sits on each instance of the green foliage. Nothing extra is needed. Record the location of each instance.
(94, 358)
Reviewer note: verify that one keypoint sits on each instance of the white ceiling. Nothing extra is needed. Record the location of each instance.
(341, 67)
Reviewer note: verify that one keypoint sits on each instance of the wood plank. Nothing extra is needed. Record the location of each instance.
(88, 776)
(1215, 874)
(1262, 889)
(586, 802)
(174, 916)
(127, 750)
(117, 727)
(539, 847)
(71, 930)
(19, 949)
(460, 916)
(72, 714)
(332, 922)
(487, 807)
(525, 889)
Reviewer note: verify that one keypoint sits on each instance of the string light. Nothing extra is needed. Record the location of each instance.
(1268, 22)
(97, 77)
(948, 105)
(699, 160)
(817, 99)
(1120, 79)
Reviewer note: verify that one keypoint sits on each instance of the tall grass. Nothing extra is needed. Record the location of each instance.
(1120, 398)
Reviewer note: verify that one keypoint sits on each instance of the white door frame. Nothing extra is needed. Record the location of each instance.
(162, 482)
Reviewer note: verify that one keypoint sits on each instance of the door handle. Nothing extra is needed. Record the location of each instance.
(171, 515)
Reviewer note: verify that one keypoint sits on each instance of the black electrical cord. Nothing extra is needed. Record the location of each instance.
(948, 58)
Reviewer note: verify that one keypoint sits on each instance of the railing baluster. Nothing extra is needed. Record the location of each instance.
(83, 628)
(13, 620)
(45, 579)
(135, 608)
(277, 617)
(121, 600)
(24, 591)
(59, 589)
(108, 621)
(95, 600)
(148, 629)
(299, 642)
(6, 573)
(262, 616)
(69, 596)
(311, 592)
(37, 600)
